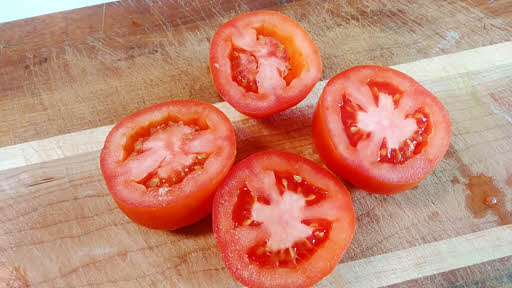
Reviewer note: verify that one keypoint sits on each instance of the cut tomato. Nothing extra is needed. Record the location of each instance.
(380, 129)
(263, 62)
(281, 220)
(163, 163)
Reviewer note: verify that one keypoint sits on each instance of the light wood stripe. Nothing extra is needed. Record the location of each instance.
(92, 140)
(424, 260)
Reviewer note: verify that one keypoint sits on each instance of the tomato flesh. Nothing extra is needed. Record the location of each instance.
(163, 163)
(177, 162)
(295, 195)
(167, 155)
(278, 215)
(260, 66)
(380, 129)
(402, 136)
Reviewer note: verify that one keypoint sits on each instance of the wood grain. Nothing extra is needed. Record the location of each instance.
(425, 70)
(496, 9)
(89, 67)
(60, 227)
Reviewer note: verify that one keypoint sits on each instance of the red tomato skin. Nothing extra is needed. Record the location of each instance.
(314, 67)
(176, 214)
(172, 217)
(255, 281)
(338, 164)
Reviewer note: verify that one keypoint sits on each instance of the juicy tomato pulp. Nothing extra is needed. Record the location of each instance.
(163, 163)
(263, 62)
(281, 220)
(380, 129)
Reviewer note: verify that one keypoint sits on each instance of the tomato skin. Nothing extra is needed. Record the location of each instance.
(172, 217)
(320, 265)
(290, 32)
(193, 200)
(354, 171)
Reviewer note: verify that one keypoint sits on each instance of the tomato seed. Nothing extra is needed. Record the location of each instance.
(201, 156)
(383, 152)
(297, 178)
(293, 254)
(308, 243)
(310, 197)
(138, 145)
(408, 153)
(247, 222)
(319, 234)
(354, 129)
(260, 250)
(418, 115)
(398, 155)
(154, 181)
(411, 146)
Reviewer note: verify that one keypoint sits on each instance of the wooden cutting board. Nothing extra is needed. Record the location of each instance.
(66, 77)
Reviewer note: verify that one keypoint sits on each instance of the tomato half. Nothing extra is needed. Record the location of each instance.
(281, 220)
(163, 163)
(263, 62)
(380, 129)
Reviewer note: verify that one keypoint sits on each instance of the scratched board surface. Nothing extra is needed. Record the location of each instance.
(90, 67)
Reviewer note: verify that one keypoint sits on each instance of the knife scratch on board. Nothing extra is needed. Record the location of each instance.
(103, 18)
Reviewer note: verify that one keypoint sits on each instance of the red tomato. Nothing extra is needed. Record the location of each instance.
(163, 163)
(281, 220)
(380, 129)
(263, 62)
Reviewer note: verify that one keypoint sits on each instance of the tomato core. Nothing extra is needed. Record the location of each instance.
(293, 239)
(403, 136)
(177, 163)
(261, 66)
